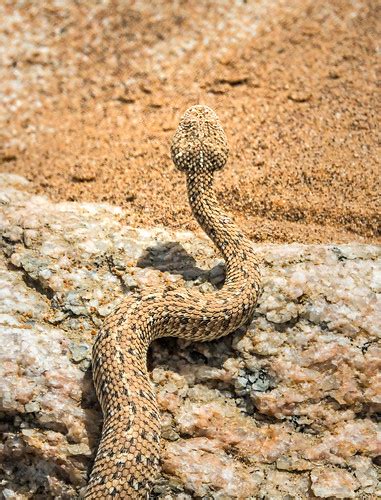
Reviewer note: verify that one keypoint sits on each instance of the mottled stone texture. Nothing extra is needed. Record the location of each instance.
(286, 409)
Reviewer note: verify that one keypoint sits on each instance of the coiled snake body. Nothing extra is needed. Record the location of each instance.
(127, 461)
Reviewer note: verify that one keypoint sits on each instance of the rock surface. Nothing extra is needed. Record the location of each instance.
(286, 409)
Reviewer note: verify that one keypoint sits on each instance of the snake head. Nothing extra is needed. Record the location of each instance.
(200, 142)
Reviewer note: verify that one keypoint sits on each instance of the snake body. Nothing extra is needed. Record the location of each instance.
(128, 456)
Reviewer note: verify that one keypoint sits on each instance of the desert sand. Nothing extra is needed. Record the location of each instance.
(92, 94)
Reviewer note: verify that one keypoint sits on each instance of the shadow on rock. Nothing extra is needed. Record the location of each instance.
(93, 416)
(172, 257)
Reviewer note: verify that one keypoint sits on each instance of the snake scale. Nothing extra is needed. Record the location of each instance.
(128, 456)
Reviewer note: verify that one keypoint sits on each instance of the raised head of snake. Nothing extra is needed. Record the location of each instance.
(128, 456)
(200, 142)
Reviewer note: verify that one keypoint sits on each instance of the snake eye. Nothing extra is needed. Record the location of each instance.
(200, 141)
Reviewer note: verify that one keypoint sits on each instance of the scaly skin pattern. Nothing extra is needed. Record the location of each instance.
(128, 457)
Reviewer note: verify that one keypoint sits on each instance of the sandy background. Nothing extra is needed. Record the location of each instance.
(92, 93)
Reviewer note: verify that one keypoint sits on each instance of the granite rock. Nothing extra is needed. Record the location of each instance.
(286, 408)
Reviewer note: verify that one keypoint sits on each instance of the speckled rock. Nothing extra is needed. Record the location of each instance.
(284, 409)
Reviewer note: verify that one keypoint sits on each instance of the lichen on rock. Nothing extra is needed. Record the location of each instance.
(286, 408)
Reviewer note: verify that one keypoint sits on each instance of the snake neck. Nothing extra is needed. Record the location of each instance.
(237, 250)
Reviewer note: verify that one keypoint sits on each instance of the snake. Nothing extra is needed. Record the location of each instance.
(128, 457)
